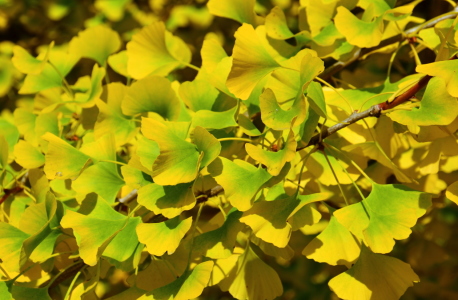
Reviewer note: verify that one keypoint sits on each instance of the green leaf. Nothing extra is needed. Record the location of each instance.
(40, 221)
(437, 107)
(169, 201)
(10, 133)
(198, 94)
(111, 119)
(99, 215)
(3, 152)
(241, 11)
(335, 245)
(169, 233)
(276, 26)
(274, 160)
(23, 292)
(28, 64)
(382, 218)
(220, 243)
(155, 51)
(241, 181)
(316, 99)
(118, 62)
(390, 281)
(446, 71)
(92, 92)
(189, 286)
(4, 292)
(277, 118)
(358, 32)
(152, 94)
(97, 43)
(148, 151)
(11, 239)
(215, 120)
(251, 62)
(270, 220)
(102, 179)
(251, 278)
(62, 160)
(178, 159)
(112, 9)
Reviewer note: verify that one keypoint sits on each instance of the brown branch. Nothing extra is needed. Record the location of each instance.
(340, 65)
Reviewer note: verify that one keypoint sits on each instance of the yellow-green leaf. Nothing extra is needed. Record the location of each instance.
(389, 282)
(239, 10)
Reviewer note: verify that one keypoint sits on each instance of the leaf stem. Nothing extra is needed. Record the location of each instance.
(235, 139)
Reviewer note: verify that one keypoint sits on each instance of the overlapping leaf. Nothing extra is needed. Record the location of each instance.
(382, 218)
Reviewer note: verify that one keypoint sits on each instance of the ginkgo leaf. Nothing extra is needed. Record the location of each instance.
(390, 281)
(169, 201)
(437, 107)
(198, 95)
(241, 181)
(316, 99)
(219, 243)
(152, 94)
(62, 60)
(285, 253)
(124, 249)
(28, 64)
(111, 119)
(102, 148)
(97, 43)
(335, 245)
(41, 221)
(118, 62)
(102, 179)
(277, 118)
(178, 159)
(112, 9)
(381, 218)
(241, 11)
(452, 192)
(169, 233)
(251, 278)
(276, 26)
(11, 239)
(358, 32)
(251, 62)
(269, 220)
(87, 98)
(215, 120)
(247, 126)
(274, 160)
(62, 160)
(148, 151)
(446, 71)
(190, 285)
(23, 292)
(105, 219)
(28, 156)
(10, 133)
(3, 152)
(155, 51)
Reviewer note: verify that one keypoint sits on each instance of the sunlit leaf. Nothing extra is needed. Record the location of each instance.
(99, 215)
(118, 62)
(444, 70)
(112, 9)
(241, 181)
(169, 201)
(390, 281)
(189, 286)
(382, 218)
(274, 160)
(28, 64)
(251, 278)
(11, 239)
(334, 246)
(102, 179)
(169, 233)
(92, 92)
(241, 11)
(152, 94)
(198, 95)
(97, 43)
(178, 159)
(155, 51)
(276, 26)
(62, 160)
(270, 220)
(251, 62)
(358, 32)
(274, 116)
(215, 120)
(219, 243)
